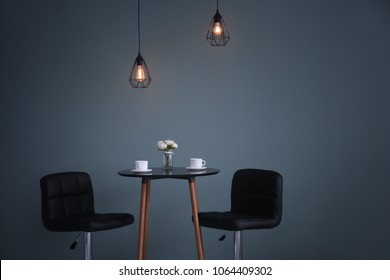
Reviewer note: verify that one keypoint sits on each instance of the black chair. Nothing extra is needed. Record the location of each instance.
(68, 205)
(256, 203)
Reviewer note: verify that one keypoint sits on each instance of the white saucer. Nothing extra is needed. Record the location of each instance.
(195, 168)
(141, 171)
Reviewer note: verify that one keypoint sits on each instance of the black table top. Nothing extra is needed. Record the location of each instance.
(176, 172)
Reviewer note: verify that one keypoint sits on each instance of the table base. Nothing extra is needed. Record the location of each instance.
(144, 212)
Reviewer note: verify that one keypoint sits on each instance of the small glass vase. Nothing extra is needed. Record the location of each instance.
(168, 160)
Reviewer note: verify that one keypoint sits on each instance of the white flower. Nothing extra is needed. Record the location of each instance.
(166, 145)
(161, 145)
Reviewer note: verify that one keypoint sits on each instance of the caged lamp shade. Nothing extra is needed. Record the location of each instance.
(140, 76)
(218, 34)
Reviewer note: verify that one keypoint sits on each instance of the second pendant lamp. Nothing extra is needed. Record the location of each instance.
(218, 34)
(140, 76)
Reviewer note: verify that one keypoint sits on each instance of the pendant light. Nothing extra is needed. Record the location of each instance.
(140, 76)
(217, 35)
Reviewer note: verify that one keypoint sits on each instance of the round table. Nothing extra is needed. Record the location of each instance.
(175, 173)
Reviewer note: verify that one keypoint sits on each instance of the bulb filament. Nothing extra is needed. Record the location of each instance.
(217, 30)
(140, 73)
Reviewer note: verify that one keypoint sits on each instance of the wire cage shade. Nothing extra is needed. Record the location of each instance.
(140, 76)
(218, 34)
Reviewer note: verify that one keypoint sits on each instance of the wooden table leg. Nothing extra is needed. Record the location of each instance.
(143, 218)
(198, 231)
(146, 217)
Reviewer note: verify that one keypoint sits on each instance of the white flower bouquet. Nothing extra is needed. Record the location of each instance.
(166, 145)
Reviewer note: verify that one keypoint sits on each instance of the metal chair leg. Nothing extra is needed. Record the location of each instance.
(87, 245)
(238, 245)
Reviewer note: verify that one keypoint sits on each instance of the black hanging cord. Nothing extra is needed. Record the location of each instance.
(217, 5)
(139, 32)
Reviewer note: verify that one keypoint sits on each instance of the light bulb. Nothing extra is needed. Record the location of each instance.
(217, 30)
(140, 73)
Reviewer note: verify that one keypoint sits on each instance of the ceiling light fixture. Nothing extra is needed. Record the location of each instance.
(218, 34)
(140, 76)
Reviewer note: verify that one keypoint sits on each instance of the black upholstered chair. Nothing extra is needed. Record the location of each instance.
(68, 205)
(256, 203)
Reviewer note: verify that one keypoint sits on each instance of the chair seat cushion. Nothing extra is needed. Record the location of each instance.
(234, 222)
(90, 223)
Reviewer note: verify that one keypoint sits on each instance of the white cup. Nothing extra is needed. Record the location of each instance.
(197, 163)
(141, 165)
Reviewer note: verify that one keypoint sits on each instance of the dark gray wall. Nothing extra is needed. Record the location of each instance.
(302, 88)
